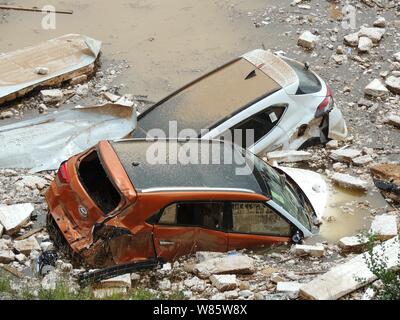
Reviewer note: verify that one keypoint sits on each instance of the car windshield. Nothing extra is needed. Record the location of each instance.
(283, 193)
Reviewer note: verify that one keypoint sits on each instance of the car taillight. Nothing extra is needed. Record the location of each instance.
(62, 173)
(325, 105)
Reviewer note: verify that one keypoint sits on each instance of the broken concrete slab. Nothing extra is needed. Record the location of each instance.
(362, 160)
(14, 217)
(123, 281)
(384, 227)
(393, 120)
(351, 39)
(354, 244)
(350, 276)
(103, 293)
(375, 34)
(224, 282)
(111, 97)
(65, 57)
(386, 177)
(289, 156)
(365, 44)
(6, 256)
(231, 264)
(314, 251)
(52, 95)
(291, 288)
(307, 40)
(344, 155)
(376, 89)
(207, 255)
(393, 84)
(27, 245)
(32, 182)
(380, 22)
(349, 182)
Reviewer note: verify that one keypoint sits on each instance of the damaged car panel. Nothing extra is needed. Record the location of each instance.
(286, 104)
(112, 206)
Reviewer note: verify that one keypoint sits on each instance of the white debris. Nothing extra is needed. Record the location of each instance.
(195, 284)
(46, 246)
(27, 245)
(6, 114)
(375, 34)
(207, 255)
(111, 97)
(351, 39)
(307, 40)
(52, 95)
(369, 294)
(290, 288)
(393, 84)
(396, 56)
(376, 89)
(362, 160)
(224, 282)
(380, 22)
(384, 227)
(32, 182)
(332, 144)
(82, 90)
(6, 256)
(164, 284)
(13, 217)
(123, 281)
(231, 264)
(365, 44)
(353, 244)
(349, 182)
(345, 155)
(49, 282)
(102, 293)
(1, 230)
(314, 251)
(78, 79)
(42, 70)
(393, 120)
(288, 156)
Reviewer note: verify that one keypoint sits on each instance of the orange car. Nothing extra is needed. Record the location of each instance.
(114, 204)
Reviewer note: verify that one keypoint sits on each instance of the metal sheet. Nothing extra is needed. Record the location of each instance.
(44, 142)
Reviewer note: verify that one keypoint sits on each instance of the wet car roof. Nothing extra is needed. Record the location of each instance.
(147, 172)
(208, 100)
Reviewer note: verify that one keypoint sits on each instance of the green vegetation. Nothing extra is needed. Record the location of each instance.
(5, 285)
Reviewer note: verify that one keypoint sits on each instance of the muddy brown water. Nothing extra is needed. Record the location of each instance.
(167, 43)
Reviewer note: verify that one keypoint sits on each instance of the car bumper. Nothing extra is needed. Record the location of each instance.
(337, 125)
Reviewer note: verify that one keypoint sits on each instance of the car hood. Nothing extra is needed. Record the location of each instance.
(313, 185)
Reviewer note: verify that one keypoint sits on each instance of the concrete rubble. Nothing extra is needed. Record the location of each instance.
(307, 40)
(288, 156)
(353, 244)
(376, 89)
(384, 227)
(349, 182)
(13, 217)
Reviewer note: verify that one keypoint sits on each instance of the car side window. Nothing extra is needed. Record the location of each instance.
(262, 123)
(202, 214)
(258, 218)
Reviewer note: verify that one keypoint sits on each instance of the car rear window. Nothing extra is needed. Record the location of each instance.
(208, 100)
(309, 83)
(97, 184)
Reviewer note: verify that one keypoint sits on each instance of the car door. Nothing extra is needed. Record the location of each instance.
(256, 225)
(173, 237)
(211, 235)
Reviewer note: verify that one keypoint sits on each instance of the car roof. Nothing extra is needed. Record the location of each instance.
(149, 171)
(210, 99)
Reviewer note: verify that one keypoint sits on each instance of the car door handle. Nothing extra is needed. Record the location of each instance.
(166, 243)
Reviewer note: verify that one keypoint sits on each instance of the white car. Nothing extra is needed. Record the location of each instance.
(286, 104)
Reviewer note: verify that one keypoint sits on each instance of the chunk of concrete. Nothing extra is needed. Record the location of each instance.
(375, 34)
(351, 39)
(393, 84)
(291, 288)
(27, 245)
(111, 97)
(1, 230)
(307, 40)
(52, 95)
(396, 56)
(103, 293)
(123, 281)
(349, 182)
(376, 89)
(289, 156)
(380, 22)
(207, 255)
(362, 160)
(344, 155)
(6, 256)
(314, 251)
(231, 264)
(393, 120)
(15, 216)
(354, 244)
(384, 227)
(32, 182)
(224, 282)
(78, 79)
(365, 44)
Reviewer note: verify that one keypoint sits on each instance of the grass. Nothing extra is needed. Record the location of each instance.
(5, 285)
